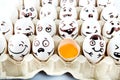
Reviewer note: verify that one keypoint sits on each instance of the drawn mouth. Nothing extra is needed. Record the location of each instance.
(100, 50)
(69, 31)
(117, 54)
(90, 15)
(69, 15)
(6, 31)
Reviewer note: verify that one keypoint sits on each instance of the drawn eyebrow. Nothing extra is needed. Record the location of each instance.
(110, 13)
(22, 42)
(30, 27)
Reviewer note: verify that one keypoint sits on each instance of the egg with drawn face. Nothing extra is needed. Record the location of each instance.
(24, 26)
(18, 47)
(68, 11)
(90, 26)
(6, 26)
(68, 28)
(65, 2)
(28, 12)
(3, 44)
(46, 25)
(52, 2)
(111, 28)
(113, 49)
(88, 12)
(109, 12)
(48, 11)
(43, 46)
(104, 3)
(83, 3)
(94, 48)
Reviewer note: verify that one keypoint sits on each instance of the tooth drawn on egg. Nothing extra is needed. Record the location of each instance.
(24, 26)
(70, 2)
(88, 12)
(6, 26)
(104, 3)
(68, 28)
(3, 44)
(43, 46)
(28, 12)
(52, 2)
(113, 49)
(111, 28)
(90, 26)
(109, 12)
(68, 11)
(18, 47)
(46, 25)
(48, 11)
(94, 48)
(83, 3)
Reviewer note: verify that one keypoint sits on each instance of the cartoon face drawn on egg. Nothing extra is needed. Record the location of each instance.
(43, 46)
(111, 28)
(6, 26)
(28, 12)
(104, 3)
(68, 11)
(18, 46)
(48, 11)
(46, 25)
(3, 44)
(24, 26)
(94, 48)
(65, 2)
(83, 3)
(52, 2)
(109, 12)
(88, 12)
(90, 26)
(68, 28)
(113, 49)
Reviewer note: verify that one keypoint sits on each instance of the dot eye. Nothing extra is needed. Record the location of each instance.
(64, 10)
(86, 10)
(111, 16)
(118, 24)
(88, 27)
(48, 13)
(116, 47)
(19, 29)
(92, 43)
(93, 10)
(101, 44)
(112, 23)
(70, 10)
(45, 43)
(36, 43)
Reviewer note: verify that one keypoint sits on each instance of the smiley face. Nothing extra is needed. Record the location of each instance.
(48, 11)
(18, 47)
(52, 2)
(68, 11)
(83, 3)
(3, 44)
(68, 28)
(94, 48)
(111, 28)
(24, 26)
(113, 49)
(46, 25)
(65, 2)
(43, 46)
(89, 28)
(28, 12)
(109, 12)
(6, 26)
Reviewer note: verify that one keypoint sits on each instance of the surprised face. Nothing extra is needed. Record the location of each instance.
(43, 46)
(68, 28)
(94, 48)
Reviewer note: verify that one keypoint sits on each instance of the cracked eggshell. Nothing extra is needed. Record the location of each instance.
(24, 26)
(66, 2)
(94, 48)
(52, 2)
(43, 46)
(18, 47)
(88, 12)
(46, 25)
(83, 3)
(90, 26)
(68, 28)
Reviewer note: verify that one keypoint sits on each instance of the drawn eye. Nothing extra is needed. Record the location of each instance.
(27, 29)
(32, 9)
(64, 10)
(93, 10)
(116, 47)
(101, 44)
(112, 23)
(36, 43)
(70, 10)
(45, 43)
(111, 16)
(88, 27)
(21, 45)
(118, 24)
(48, 13)
(92, 43)
(19, 29)
(48, 29)
(86, 10)
(39, 28)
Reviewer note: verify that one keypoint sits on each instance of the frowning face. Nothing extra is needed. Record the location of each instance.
(111, 28)
(68, 28)
(89, 28)
(43, 46)
(65, 2)
(46, 25)
(24, 26)
(18, 47)
(88, 12)
(83, 3)
(53, 2)
(94, 48)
